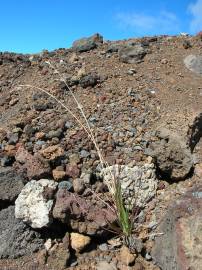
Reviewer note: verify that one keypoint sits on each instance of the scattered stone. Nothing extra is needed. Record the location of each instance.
(126, 256)
(7, 161)
(131, 71)
(34, 203)
(180, 245)
(52, 152)
(79, 242)
(86, 178)
(164, 61)
(16, 238)
(72, 171)
(132, 54)
(138, 183)
(89, 80)
(78, 185)
(84, 154)
(65, 185)
(54, 133)
(58, 174)
(194, 63)
(13, 138)
(74, 159)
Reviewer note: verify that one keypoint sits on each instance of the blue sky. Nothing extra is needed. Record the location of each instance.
(30, 26)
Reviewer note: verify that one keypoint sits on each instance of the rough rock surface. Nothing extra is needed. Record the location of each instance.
(194, 63)
(36, 167)
(139, 183)
(82, 214)
(132, 54)
(11, 184)
(16, 238)
(195, 131)
(34, 204)
(87, 44)
(58, 257)
(180, 245)
(89, 80)
(173, 156)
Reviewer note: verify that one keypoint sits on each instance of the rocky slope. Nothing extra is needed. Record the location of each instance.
(143, 100)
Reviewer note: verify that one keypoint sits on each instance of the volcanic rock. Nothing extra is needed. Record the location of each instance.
(87, 44)
(173, 156)
(132, 54)
(35, 166)
(11, 185)
(180, 245)
(16, 238)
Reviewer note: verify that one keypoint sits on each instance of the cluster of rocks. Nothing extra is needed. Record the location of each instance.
(54, 195)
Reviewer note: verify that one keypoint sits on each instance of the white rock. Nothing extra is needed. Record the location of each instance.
(138, 183)
(32, 206)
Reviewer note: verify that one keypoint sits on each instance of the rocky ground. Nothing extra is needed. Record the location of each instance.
(143, 101)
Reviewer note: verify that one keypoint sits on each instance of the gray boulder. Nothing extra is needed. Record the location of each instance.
(89, 80)
(173, 157)
(34, 204)
(16, 238)
(194, 63)
(87, 44)
(11, 185)
(132, 54)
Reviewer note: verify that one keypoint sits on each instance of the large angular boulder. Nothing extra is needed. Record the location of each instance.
(132, 54)
(34, 203)
(194, 63)
(179, 245)
(87, 44)
(16, 238)
(138, 183)
(172, 154)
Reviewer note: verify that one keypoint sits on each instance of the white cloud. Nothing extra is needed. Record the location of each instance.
(164, 23)
(196, 11)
